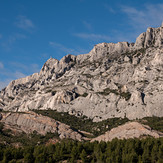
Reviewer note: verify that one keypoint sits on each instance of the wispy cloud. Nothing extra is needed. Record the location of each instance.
(32, 68)
(109, 8)
(1, 65)
(24, 23)
(62, 48)
(35, 68)
(94, 37)
(17, 70)
(87, 25)
(7, 44)
(9, 76)
(18, 75)
(4, 83)
(150, 15)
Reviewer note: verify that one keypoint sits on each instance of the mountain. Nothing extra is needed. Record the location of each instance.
(112, 80)
(113, 92)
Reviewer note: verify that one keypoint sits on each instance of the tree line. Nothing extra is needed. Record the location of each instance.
(149, 150)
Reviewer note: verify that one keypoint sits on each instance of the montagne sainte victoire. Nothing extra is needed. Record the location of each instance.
(114, 80)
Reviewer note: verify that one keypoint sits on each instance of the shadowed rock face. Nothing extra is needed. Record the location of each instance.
(112, 80)
(128, 130)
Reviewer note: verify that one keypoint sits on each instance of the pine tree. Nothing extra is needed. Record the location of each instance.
(83, 156)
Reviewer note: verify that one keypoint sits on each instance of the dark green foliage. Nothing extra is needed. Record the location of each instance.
(125, 95)
(83, 156)
(25, 139)
(1, 127)
(156, 123)
(84, 94)
(128, 151)
(136, 53)
(107, 91)
(83, 123)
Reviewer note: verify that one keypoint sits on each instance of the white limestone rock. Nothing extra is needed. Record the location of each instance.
(112, 80)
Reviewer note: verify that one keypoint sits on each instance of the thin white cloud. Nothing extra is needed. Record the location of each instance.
(18, 75)
(1, 65)
(35, 68)
(150, 15)
(32, 68)
(62, 48)
(87, 25)
(109, 8)
(11, 76)
(21, 71)
(24, 23)
(94, 37)
(4, 83)
(7, 44)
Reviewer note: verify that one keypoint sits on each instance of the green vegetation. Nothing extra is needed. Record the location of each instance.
(88, 75)
(148, 150)
(156, 123)
(125, 95)
(1, 127)
(107, 91)
(83, 123)
(136, 53)
(85, 94)
(7, 136)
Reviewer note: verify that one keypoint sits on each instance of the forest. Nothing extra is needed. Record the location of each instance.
(35, 148)
(149, 150)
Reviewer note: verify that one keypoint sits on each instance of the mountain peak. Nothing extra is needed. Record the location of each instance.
(113, 80)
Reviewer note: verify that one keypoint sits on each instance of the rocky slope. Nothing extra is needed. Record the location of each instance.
(112, 80)
(129, 130)
(30, 122)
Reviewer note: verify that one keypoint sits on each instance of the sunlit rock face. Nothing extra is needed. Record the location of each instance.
(112, 80)
(127, 131)
(31, 122)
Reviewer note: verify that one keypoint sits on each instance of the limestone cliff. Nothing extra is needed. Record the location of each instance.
(112, 80)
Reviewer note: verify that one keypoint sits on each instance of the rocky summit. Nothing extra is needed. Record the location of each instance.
(112, 80)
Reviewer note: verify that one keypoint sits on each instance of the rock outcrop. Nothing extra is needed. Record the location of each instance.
(128, 130)
(112, 80)
(30, 122)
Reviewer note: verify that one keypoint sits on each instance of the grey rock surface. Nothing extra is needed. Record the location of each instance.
(112, 80)
(30, 122)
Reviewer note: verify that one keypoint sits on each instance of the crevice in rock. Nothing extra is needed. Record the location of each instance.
(142, 97)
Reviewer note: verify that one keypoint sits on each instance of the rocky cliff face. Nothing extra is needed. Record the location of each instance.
(113, 80)
(30, 122)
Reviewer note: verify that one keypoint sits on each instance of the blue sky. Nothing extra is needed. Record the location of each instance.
(32, 31)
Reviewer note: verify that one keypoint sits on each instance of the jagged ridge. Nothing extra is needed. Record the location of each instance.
(113, 80)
